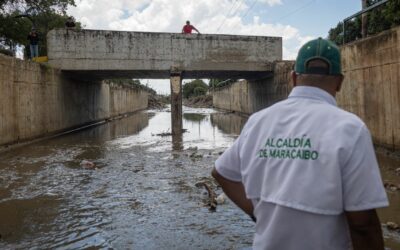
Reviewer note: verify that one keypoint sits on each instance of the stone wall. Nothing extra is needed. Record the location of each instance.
(251, 96)
(36, 101)
(372, 85)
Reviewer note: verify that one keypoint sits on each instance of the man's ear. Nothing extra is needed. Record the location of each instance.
(294, 78)
(339, 84)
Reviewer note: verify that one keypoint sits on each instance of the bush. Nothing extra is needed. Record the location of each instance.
(189, 89)
(198, 91)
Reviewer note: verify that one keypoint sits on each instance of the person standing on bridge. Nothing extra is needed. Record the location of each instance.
(304, 169)
(70, 23)
(33, 38)
(188, 28)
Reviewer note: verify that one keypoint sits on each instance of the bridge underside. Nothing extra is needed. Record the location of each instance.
(92, 55)
(94, 75)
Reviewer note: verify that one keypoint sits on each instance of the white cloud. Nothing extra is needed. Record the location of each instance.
(271, 2)
(170, 16)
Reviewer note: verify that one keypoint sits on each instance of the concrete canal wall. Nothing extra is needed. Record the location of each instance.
(372, 85)
(251, 96)
(37, 101)
(371, 88)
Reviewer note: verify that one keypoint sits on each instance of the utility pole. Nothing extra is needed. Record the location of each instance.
(364, 20)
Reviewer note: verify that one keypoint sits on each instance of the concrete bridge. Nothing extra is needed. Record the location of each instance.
(100, 54)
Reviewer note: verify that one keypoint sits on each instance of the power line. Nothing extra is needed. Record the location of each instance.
(226, 16)
(252, 5)
(296, 10)
(240, 4)
(229, 13)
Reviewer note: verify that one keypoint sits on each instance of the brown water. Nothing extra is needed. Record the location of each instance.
(141, 196)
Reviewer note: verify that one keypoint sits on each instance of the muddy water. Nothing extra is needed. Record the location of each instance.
(143, 194)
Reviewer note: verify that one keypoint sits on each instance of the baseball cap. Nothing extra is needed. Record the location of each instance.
(321, 49)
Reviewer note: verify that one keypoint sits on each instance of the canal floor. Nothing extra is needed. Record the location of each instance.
(142, 193)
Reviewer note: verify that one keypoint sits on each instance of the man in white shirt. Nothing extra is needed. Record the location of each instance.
(304, 169)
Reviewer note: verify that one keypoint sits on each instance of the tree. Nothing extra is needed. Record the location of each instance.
(379, 19)
(213, 83)
(33, 7)
(392, 12)
(353, 31)
(194, 88)
(17, 17)
(13, 32)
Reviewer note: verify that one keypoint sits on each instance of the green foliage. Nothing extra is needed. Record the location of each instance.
(13, 31)
(194, 117)
(392, 12)
(194, 88)
(379, 19)
(198, 91)
(17, 17)
(33, 7)
(133, 83)
(353, 31)
(214, 82)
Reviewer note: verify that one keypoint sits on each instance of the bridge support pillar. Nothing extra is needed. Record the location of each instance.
(176, 103)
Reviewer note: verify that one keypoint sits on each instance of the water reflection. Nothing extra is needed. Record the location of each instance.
(194, 117)
(228, 123)
(20, 218)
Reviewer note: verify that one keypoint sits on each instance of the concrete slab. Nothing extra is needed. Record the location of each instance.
(106, 54)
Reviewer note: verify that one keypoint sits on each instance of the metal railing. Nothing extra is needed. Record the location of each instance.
(358, 14)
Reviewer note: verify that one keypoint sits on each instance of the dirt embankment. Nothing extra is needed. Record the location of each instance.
(204, 101)
(157, 101)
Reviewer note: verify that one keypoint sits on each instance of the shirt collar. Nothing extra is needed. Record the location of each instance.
(312, 93)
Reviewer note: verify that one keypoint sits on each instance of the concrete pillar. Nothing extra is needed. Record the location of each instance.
(176, 103)
(177, 142)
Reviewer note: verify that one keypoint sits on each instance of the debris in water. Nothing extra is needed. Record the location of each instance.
(398, 171)
(194, 155)
(136, 204)
(168, 133)
(212, 203)
(392, 225)
(164, 134)
(391, 186)
(220, 199)
(87, 164)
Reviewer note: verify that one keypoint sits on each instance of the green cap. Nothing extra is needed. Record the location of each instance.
(321, 49)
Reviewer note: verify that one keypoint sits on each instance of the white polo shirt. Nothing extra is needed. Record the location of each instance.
(303, 162)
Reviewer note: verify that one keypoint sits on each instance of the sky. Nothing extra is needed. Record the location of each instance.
(296, 21)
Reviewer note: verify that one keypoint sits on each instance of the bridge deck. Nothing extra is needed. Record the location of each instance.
(104, 54)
